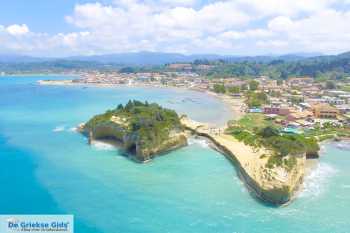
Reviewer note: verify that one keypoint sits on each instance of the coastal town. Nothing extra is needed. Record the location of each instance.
(276, 125)
(297, 104)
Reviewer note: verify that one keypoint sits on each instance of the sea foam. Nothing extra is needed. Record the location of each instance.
(73, 129)
(196, 141)
(59, 128)
(343, 146)
(102, 146)
(316, 182)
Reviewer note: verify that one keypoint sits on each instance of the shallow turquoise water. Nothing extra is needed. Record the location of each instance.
(45, 168)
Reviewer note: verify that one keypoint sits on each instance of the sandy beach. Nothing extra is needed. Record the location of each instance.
(235, 105)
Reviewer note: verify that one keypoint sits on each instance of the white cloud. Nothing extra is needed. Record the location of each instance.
(284, 7)
(280, 23)
(179, 2)
(326, 31)
(162, 27)
(17, 30)
(189, 26)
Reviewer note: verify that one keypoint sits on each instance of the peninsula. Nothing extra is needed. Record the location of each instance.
(276, 127)
(271, 165)
(143, 130)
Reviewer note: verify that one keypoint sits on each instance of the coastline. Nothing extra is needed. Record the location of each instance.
(234, 105)
(275, 185)
(36, 75)
(196, 170)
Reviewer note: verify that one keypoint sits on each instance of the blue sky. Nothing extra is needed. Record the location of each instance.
(40, 15)
(239, 27)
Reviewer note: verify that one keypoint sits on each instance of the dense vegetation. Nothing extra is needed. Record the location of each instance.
(256, 99)
(323, 67)
(220, 88)
(149, 122)
(258, 132)
(328, 131)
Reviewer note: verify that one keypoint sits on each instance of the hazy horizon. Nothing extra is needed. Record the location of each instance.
(301, 54)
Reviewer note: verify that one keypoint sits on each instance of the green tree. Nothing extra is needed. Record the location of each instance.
(284, 74)
(234, 89)
(256, 99)
(330, 85)
(297, 99)
(127, 70)
(219, 88)
(253, 85)
(244, 87)
(268, 131)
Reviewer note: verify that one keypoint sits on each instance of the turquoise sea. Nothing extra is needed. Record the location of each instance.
(47, 168)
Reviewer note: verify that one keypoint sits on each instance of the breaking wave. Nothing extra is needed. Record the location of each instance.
(102, 146)
(73, 129)
(59, 128)
(316, 182)
(343, 145)
(196, 141)
(62, 128)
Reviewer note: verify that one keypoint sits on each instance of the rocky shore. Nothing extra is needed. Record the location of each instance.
(143, 130)
(130, 142)
(273, 185)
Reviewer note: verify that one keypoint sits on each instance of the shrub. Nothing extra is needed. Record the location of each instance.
(268, 131)
(149, 122)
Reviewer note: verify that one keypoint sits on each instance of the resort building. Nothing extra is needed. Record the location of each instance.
(300, 81)
(333, 100)
(180, 66)
(323, 110)
(278, 110)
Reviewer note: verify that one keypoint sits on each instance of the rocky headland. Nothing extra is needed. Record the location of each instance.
(143, 130)
(273, 184)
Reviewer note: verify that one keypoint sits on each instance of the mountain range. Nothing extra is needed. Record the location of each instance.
(153, 58)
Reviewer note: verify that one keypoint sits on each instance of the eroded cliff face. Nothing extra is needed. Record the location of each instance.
(132, 142)
(276, 185)
(145, 153)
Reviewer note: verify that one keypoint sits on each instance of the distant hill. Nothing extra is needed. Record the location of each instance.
(284, 66)
(149, 58)
(10, 58)
(144, 58)
(157, 58)
(344, 55)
